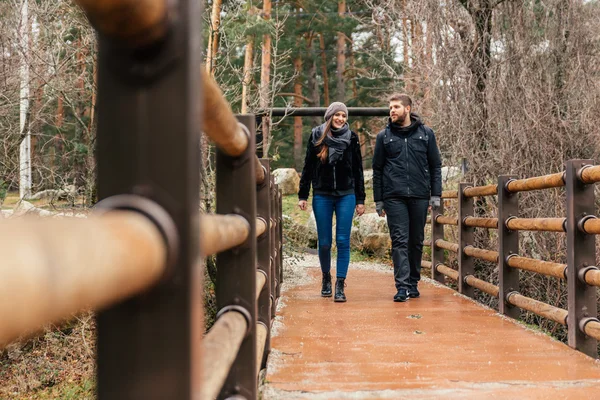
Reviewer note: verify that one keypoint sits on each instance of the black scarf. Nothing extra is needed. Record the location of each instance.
(338, 142)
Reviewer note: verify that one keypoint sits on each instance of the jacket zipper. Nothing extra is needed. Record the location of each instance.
(334, 181)
(407, 175)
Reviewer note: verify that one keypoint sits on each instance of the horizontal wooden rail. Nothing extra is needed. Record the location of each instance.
(592, 277)
(488, 190)
(475, 222)
(537, 224)
(537, 183)
(482, 254)
(444, 220)
(541, 267)
(222, 232)
(592, 329)
(425, 264)
(52, 269)
(450, 194)
(592, 226)
(221, 345)
(427, 243)
(261, 279)
(537, 307)
(261, 226)
(447, 271)
(135, 22)
(482, 285)
(261, 342)
(219, 123)
(443, 244)
(590, 174)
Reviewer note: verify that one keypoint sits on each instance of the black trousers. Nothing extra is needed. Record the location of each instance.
(406, 218)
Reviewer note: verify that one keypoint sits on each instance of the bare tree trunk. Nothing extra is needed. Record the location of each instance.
(341, 56)
(298, 120)
(324, 69)
(247, 78)
(265, 79)
(24, 131)
(213, 38)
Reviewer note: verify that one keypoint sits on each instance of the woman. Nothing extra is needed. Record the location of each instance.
(333, 165)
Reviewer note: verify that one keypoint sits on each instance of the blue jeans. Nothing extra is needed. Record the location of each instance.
(323, 207)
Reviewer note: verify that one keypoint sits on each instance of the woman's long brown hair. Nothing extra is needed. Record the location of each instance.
(324, 151)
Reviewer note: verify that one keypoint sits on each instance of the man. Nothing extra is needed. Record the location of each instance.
(407, 179)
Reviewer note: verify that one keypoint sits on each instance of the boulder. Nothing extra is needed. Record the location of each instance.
(368, 174)
(372, 223)
(378, 244)
(288, 180)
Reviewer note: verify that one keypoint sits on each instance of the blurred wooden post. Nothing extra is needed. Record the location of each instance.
(149, 347)
(264, 211)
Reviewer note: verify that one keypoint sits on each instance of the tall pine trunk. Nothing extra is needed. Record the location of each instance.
(247, 76)
(213, 39)
(297, 104)
(341, 56)
(265, 80)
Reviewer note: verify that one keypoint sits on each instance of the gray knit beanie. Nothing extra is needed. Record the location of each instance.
(335, 107)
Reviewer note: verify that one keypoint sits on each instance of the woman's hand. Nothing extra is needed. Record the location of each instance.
(302, 205)
(360, 209)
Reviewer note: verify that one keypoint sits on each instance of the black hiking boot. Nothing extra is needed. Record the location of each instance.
(401, 296)
(340, 297)
(413, 293)
(326, 285)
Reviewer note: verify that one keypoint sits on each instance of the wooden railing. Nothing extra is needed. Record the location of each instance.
(580, 225)
(137, 260)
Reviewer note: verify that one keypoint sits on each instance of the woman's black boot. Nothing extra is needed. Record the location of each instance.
(340, 297)
(326, 285)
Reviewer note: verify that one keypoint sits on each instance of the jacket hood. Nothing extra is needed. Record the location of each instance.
(415, 122)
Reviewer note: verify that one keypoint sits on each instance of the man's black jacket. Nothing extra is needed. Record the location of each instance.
(346, 176)
(406, 162)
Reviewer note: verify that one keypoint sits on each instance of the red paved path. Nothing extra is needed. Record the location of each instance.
(439, 346)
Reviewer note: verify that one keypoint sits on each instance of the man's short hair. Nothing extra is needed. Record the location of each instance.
(402, 98)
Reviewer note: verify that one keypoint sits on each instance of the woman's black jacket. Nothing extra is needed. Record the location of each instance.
(344, 177)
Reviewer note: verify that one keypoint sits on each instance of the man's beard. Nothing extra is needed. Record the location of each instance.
(399, 118)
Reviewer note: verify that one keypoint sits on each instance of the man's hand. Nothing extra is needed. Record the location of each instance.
(379, 208)
(435, 202)
(302, 204)
(360, 209)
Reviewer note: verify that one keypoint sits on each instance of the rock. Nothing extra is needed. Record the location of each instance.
(378, 244)
(69, 192)
(372, 223)
(288, 180)
(298, 235)
(368, 174)
(355, 239)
